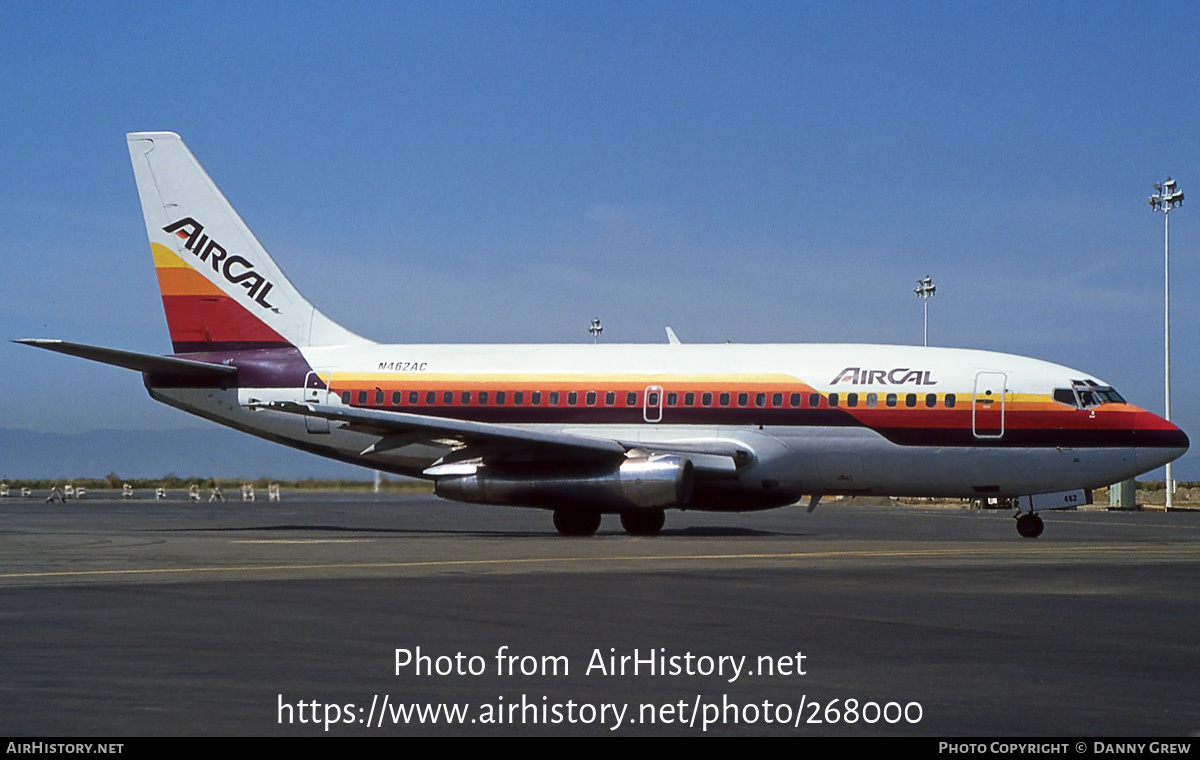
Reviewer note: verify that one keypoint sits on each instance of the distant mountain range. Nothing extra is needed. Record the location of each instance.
(190, 452)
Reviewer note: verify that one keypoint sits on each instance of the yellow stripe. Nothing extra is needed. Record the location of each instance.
(165, 258)
(413, 378)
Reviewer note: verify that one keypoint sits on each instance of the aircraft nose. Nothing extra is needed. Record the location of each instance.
(1159, 442)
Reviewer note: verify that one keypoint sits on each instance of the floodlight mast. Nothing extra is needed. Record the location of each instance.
(595, 329)
(1167, 196)
(925, 290)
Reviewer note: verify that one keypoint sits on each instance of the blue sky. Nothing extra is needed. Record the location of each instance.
(503, 172)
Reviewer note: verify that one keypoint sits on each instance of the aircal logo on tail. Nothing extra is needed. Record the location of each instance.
(235, 269)
(898, 376)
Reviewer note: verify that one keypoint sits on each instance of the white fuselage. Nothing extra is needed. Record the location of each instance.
(983, 423)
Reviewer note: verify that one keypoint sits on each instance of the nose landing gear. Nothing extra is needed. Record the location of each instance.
(1029, 525)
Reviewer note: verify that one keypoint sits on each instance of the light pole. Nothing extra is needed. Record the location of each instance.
(925, 290)
(595, 329)
(1166, 197)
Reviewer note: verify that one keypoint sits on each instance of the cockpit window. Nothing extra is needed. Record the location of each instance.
(1085, 394)
(1109, 396)
(1065, 396)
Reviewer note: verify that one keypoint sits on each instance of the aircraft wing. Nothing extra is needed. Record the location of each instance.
(500, 442)
(401, 428)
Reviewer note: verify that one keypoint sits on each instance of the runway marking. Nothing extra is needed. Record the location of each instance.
(1058, 552)
(303, 541)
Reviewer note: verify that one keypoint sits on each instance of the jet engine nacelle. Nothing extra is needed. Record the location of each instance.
(653, 482)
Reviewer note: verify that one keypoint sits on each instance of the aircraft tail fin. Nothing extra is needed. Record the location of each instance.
(221, 290)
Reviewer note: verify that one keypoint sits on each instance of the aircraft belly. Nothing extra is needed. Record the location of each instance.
(858, 460)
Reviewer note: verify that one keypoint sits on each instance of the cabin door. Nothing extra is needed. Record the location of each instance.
(987, 404)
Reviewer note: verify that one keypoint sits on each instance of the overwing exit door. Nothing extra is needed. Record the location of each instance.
(316, 391)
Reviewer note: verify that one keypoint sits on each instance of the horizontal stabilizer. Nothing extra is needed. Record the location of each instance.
(166, 365)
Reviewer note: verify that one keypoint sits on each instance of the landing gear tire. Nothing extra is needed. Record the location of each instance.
(1029, 525)
(576, 522)
(645, 522)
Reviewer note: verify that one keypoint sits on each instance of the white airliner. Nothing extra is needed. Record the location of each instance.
(586, 430)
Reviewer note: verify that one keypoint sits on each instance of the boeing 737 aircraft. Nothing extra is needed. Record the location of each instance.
(585, 430)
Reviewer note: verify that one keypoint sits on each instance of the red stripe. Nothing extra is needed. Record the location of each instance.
(215, 320)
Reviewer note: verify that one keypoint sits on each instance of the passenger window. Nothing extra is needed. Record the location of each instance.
(413, 397)
(851, 399)
(931, 400)
(833, 399)
(430, 398)
(362, 398)
(872, 400)
(378, 397)
(760, 399)
(591, 398)
(951, 399)
(910, 400)
(689, 399)
(777, 399)
(631, 399)
(553, 398)
(483, 398)
(890, 400)
(706, 399)
(652, 398)
(724, 399)
(672, 398)
(743, 399)
(395, 398)
(465, 398)
(814, 400)
(610, 398)
(573, 398)
(518, 398)
(346, 397)
(794, 400)
(448, 398)
(536, 398)
(500, 397)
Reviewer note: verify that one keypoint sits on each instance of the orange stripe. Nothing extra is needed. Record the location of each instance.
(185, 281)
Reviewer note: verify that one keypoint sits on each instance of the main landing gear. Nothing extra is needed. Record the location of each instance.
(576, 522)
(1029, 525)
(585, 522)
(644, 522)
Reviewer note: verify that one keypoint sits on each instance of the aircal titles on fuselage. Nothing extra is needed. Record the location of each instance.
(896, 376)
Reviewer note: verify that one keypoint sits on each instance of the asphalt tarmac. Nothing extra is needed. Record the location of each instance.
(141, 618)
